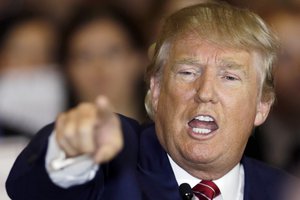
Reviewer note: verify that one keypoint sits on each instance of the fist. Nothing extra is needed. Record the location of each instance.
(90, 128)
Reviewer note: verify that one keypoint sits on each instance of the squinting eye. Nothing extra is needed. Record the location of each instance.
(230, 78)
(186, 73)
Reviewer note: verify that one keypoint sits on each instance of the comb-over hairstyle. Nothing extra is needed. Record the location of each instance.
(222, 24)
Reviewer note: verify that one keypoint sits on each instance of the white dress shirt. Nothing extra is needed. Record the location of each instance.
(68, 172)
(231, 184)
(74, 171)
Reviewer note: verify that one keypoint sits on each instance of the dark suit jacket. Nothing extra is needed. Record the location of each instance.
(141, 171)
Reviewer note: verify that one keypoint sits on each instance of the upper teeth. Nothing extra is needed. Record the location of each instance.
(205, 118)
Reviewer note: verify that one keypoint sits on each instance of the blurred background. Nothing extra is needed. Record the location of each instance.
(57, 53)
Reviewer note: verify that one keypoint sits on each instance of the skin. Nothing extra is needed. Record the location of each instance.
(204, 79)
(29, 45)
(102, 61)
(103, 68)
(90, 128)
(198, 78)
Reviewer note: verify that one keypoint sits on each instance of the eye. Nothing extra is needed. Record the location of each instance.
(186, 73)
(231, 78)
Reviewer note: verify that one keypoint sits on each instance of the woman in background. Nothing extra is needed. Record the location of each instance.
(32, 88)
(104, 54)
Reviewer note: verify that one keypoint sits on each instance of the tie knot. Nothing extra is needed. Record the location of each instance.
(206, 190)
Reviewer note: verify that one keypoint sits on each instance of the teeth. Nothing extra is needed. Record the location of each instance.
(201, 130)
(205, 118)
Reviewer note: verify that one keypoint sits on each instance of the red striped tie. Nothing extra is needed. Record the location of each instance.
(206, 190)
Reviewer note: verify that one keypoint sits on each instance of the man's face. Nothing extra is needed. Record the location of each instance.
(206, 104)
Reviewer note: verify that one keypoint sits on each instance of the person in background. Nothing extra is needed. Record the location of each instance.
(59, 11)
(31, 85)
(172, 6)
(103, 54)
(210, 83)
(144, 13)
(278, 141)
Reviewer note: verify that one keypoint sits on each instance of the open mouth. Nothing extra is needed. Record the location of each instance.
(203, 124)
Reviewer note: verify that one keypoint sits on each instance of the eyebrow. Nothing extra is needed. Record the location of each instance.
(223, 64)
(231, 65)
(187, 61)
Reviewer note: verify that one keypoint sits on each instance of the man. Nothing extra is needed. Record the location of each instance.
(210, 84)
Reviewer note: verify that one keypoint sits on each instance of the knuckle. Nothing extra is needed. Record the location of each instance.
(85, 106)
(87, 149)
(72, 114)
(61, 117)
(86, 128)
(87, 111)
(69, 130)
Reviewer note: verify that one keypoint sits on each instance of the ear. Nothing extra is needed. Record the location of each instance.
(154, 91)
(262, 112)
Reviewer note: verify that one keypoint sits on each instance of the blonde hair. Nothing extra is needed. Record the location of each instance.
(225, 25)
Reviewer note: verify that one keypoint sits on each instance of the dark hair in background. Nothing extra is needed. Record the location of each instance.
(87, 14)
(8, 23)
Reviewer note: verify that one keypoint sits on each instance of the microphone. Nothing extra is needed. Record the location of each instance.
(185, 191)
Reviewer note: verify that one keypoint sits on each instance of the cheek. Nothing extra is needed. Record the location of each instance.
(179, 93)
(238, 123)
(75, 74)
(174, 101)
(80, 76)
(239, 112)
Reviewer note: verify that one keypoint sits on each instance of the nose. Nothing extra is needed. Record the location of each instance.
(101, 65)
(206, 89)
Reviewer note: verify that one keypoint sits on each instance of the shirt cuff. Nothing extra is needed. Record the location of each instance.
(68, 172)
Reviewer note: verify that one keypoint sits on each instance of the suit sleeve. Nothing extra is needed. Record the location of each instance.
(28, 178)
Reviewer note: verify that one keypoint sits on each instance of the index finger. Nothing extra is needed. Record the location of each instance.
(105, 109)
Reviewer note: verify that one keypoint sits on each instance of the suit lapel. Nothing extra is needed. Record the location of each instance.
(257, 186)
(154, 170)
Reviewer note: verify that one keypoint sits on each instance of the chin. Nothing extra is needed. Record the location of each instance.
(197, 155)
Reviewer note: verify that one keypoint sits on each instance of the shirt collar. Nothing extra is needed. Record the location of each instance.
(231, 184)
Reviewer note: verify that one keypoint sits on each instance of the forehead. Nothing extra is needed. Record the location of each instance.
(206, 52)
(99, 32)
